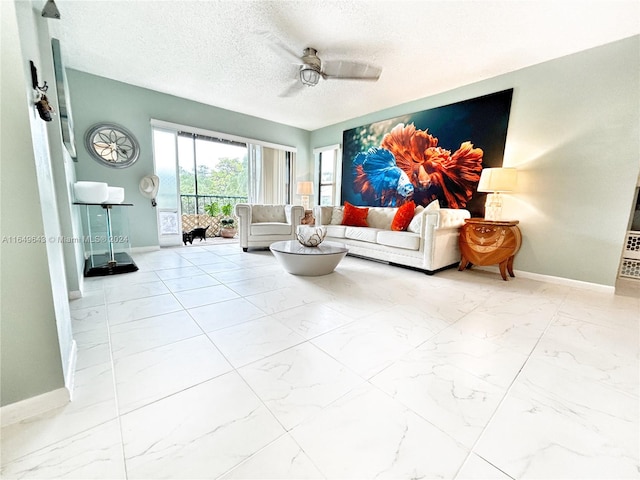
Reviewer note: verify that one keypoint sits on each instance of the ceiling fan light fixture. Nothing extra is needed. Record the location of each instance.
(309, 76)
(312, 68)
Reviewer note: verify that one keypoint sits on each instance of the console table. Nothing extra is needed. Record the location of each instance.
(486, 242)
(105, 238)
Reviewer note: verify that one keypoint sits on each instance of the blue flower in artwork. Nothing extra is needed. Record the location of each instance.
(379, 180)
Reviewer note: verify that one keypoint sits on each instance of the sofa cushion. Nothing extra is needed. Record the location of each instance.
(381, 217)
(355, 216)
(406, 240)
(271, 228)
(268, 213)
(364, 234)
(336, 231)
(403, 217)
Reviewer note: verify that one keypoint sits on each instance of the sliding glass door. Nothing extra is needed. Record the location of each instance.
(210, 170)
(167, 208)
(197, 168)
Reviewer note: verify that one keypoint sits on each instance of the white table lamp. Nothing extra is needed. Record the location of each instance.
(304, 189)
(495, 181)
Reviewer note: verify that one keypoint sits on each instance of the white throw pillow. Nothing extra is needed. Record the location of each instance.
(416, 222)
(435, 205)
(381, 217)
(336, 216)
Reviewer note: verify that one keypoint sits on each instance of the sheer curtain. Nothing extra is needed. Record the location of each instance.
(254, 183)
(270, 174)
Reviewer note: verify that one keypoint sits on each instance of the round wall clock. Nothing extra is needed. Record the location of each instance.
(112, 145)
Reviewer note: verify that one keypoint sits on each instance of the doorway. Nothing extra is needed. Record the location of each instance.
(212, 173)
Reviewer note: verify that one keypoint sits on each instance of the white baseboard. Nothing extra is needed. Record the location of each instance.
(568, 282)
(75, 294)
(70, 378)
(16, 412)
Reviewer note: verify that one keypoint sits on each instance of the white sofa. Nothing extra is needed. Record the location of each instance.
(261, 225)
(429, 244)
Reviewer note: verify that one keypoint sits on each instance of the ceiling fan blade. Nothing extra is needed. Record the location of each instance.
(292, 89)
(350, 71)
(279, 46)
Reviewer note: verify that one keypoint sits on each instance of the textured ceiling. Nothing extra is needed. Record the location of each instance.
(211, 52)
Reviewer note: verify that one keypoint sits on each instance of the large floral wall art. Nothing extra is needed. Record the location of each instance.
(420, 157)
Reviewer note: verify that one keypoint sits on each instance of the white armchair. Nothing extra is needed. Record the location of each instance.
(261, 225)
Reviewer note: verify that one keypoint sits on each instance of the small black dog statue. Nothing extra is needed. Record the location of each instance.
(199, 232)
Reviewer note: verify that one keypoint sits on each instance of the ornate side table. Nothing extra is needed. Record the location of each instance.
(486, 242)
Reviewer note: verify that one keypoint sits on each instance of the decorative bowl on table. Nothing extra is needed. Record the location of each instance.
(311, 236)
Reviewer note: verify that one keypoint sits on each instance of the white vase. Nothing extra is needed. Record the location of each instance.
(311, 236)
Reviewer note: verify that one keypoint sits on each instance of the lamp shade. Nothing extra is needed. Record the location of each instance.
(497, 180)
(305, 188)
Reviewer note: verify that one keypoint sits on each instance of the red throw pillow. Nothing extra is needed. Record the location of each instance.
(403, 217)
(354, 216)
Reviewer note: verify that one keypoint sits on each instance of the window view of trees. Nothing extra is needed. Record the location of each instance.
(210, 170)
(227, 178)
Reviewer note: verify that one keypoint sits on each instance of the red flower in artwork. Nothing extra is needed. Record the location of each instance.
(433, 170)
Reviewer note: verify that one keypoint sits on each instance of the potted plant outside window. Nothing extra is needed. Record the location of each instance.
(228, 223)
(213, 210)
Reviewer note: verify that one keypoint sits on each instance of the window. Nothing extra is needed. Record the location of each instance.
(198, 167)
(210, 169)
(288, 175)
(328, 175)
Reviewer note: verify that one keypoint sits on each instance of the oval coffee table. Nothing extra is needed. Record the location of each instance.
(297, 259)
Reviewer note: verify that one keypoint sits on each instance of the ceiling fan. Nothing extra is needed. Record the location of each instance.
(312, 68)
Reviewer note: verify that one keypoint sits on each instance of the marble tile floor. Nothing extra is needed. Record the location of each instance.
(213, 363)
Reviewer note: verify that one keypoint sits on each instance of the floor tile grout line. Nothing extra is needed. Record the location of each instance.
(469, 450)
(115, 393)
(236, 371)
(286, 430)
(234, 368)
(479, 437)
(186, 309)
(506, 394)
(525, 362)
(485, 460)
(113, 372)
(171, 343)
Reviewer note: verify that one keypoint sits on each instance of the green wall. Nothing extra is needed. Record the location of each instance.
(34, 343)
(573, 135)
(97, 99)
